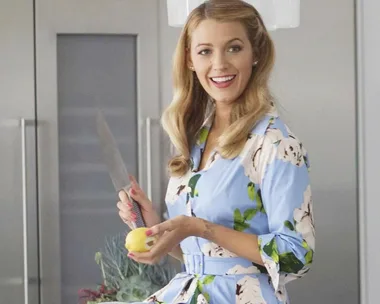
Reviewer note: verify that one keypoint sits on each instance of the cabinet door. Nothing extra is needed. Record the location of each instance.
(91, 55)
(18, 220)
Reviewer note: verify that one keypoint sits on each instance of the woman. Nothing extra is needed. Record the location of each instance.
(239, 197)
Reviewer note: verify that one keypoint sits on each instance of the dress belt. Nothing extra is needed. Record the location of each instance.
(200, 264)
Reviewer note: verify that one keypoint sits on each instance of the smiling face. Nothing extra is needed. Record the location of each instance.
(222, 57)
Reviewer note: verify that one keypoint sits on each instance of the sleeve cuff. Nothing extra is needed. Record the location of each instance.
(269, 255)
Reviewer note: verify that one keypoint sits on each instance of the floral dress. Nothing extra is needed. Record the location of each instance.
(264, 191)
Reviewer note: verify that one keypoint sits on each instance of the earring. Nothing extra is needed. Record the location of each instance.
(255, 63)
(191, 68)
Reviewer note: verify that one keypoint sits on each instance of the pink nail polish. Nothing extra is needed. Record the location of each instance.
(148, 232)
(130, 255)
(133, 191)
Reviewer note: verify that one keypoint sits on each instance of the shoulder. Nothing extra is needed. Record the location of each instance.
(273, 132)
(271, 140)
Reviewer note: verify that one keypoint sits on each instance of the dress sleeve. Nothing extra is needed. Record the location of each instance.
(289, 246)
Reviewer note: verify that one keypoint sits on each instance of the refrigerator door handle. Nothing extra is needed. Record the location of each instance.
(23, 123)
(149, 156)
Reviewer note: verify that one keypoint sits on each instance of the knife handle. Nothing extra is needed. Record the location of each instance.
(136, 209)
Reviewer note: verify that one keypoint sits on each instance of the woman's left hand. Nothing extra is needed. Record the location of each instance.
(170, 233)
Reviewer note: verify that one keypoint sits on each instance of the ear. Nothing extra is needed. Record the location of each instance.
(189, 62)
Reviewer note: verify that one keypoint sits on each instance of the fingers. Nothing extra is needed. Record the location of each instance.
(123, 196)
(137, 194)
(163, 227)
(159, 250)
(163, 246)
(143, 257)
(133, 194)
(125, 211)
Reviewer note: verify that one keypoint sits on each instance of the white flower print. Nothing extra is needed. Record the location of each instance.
(259, 152)
(201, 299)
(176, 187)
(159, 295)
(282, 294)
(290, 150)
(238, 269)
(216, 251)
(271, 267)
(288, 277)
(248, 291)
(188, 209)
(304, 219)
(187, 291)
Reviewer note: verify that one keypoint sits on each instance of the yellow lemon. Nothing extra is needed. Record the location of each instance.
(137, 241)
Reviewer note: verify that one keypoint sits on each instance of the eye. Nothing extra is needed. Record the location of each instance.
(204, 52)
(235, 49)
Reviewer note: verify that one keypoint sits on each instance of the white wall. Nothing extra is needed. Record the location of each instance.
(314, 81)
(369, 126)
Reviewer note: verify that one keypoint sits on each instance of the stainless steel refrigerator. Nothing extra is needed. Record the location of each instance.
(60, 61)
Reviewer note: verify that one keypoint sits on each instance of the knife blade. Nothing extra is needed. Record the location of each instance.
(115, 165)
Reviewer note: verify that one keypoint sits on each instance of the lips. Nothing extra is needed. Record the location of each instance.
(223, 81)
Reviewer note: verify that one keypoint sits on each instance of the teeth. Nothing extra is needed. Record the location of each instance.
(223, 79)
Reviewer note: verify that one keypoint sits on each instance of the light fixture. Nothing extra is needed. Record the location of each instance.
(275, 13)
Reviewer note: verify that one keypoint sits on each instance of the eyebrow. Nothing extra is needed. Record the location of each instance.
(210, 44)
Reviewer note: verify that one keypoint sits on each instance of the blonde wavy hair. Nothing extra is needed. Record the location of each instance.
(184, 117)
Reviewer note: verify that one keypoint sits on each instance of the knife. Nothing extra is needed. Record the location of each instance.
(116, 167)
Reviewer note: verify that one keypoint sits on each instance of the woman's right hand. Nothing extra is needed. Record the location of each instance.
(150, 216)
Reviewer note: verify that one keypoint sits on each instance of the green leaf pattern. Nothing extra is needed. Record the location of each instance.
(240, 221)
(200, 288)
(203, 134)
(249, 214)
(289, 263)
(289, 225)
(271, 250)
(192, 184)
(309, 257)
(251, 191)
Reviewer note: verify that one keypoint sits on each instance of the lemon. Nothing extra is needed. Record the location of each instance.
(137, 240)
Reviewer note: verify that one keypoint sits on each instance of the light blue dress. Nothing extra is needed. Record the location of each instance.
(264, 191)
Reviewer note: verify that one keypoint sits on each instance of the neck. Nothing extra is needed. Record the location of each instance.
(222, 116)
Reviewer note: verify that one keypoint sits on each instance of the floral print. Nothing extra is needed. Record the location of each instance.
(303, 218)
(264, 191)
(248, 291)
(214, 250)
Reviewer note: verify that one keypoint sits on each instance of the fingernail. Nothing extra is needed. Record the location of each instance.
(148, 232)
(130, 255)
(133, 191)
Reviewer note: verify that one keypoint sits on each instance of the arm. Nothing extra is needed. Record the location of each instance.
(288, 247)
(242, 244)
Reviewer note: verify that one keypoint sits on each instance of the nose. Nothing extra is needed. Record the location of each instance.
(219, 61)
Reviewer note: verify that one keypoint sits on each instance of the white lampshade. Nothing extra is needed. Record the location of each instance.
(275, 13)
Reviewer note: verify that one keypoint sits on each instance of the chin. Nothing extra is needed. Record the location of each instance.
(225, 99)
